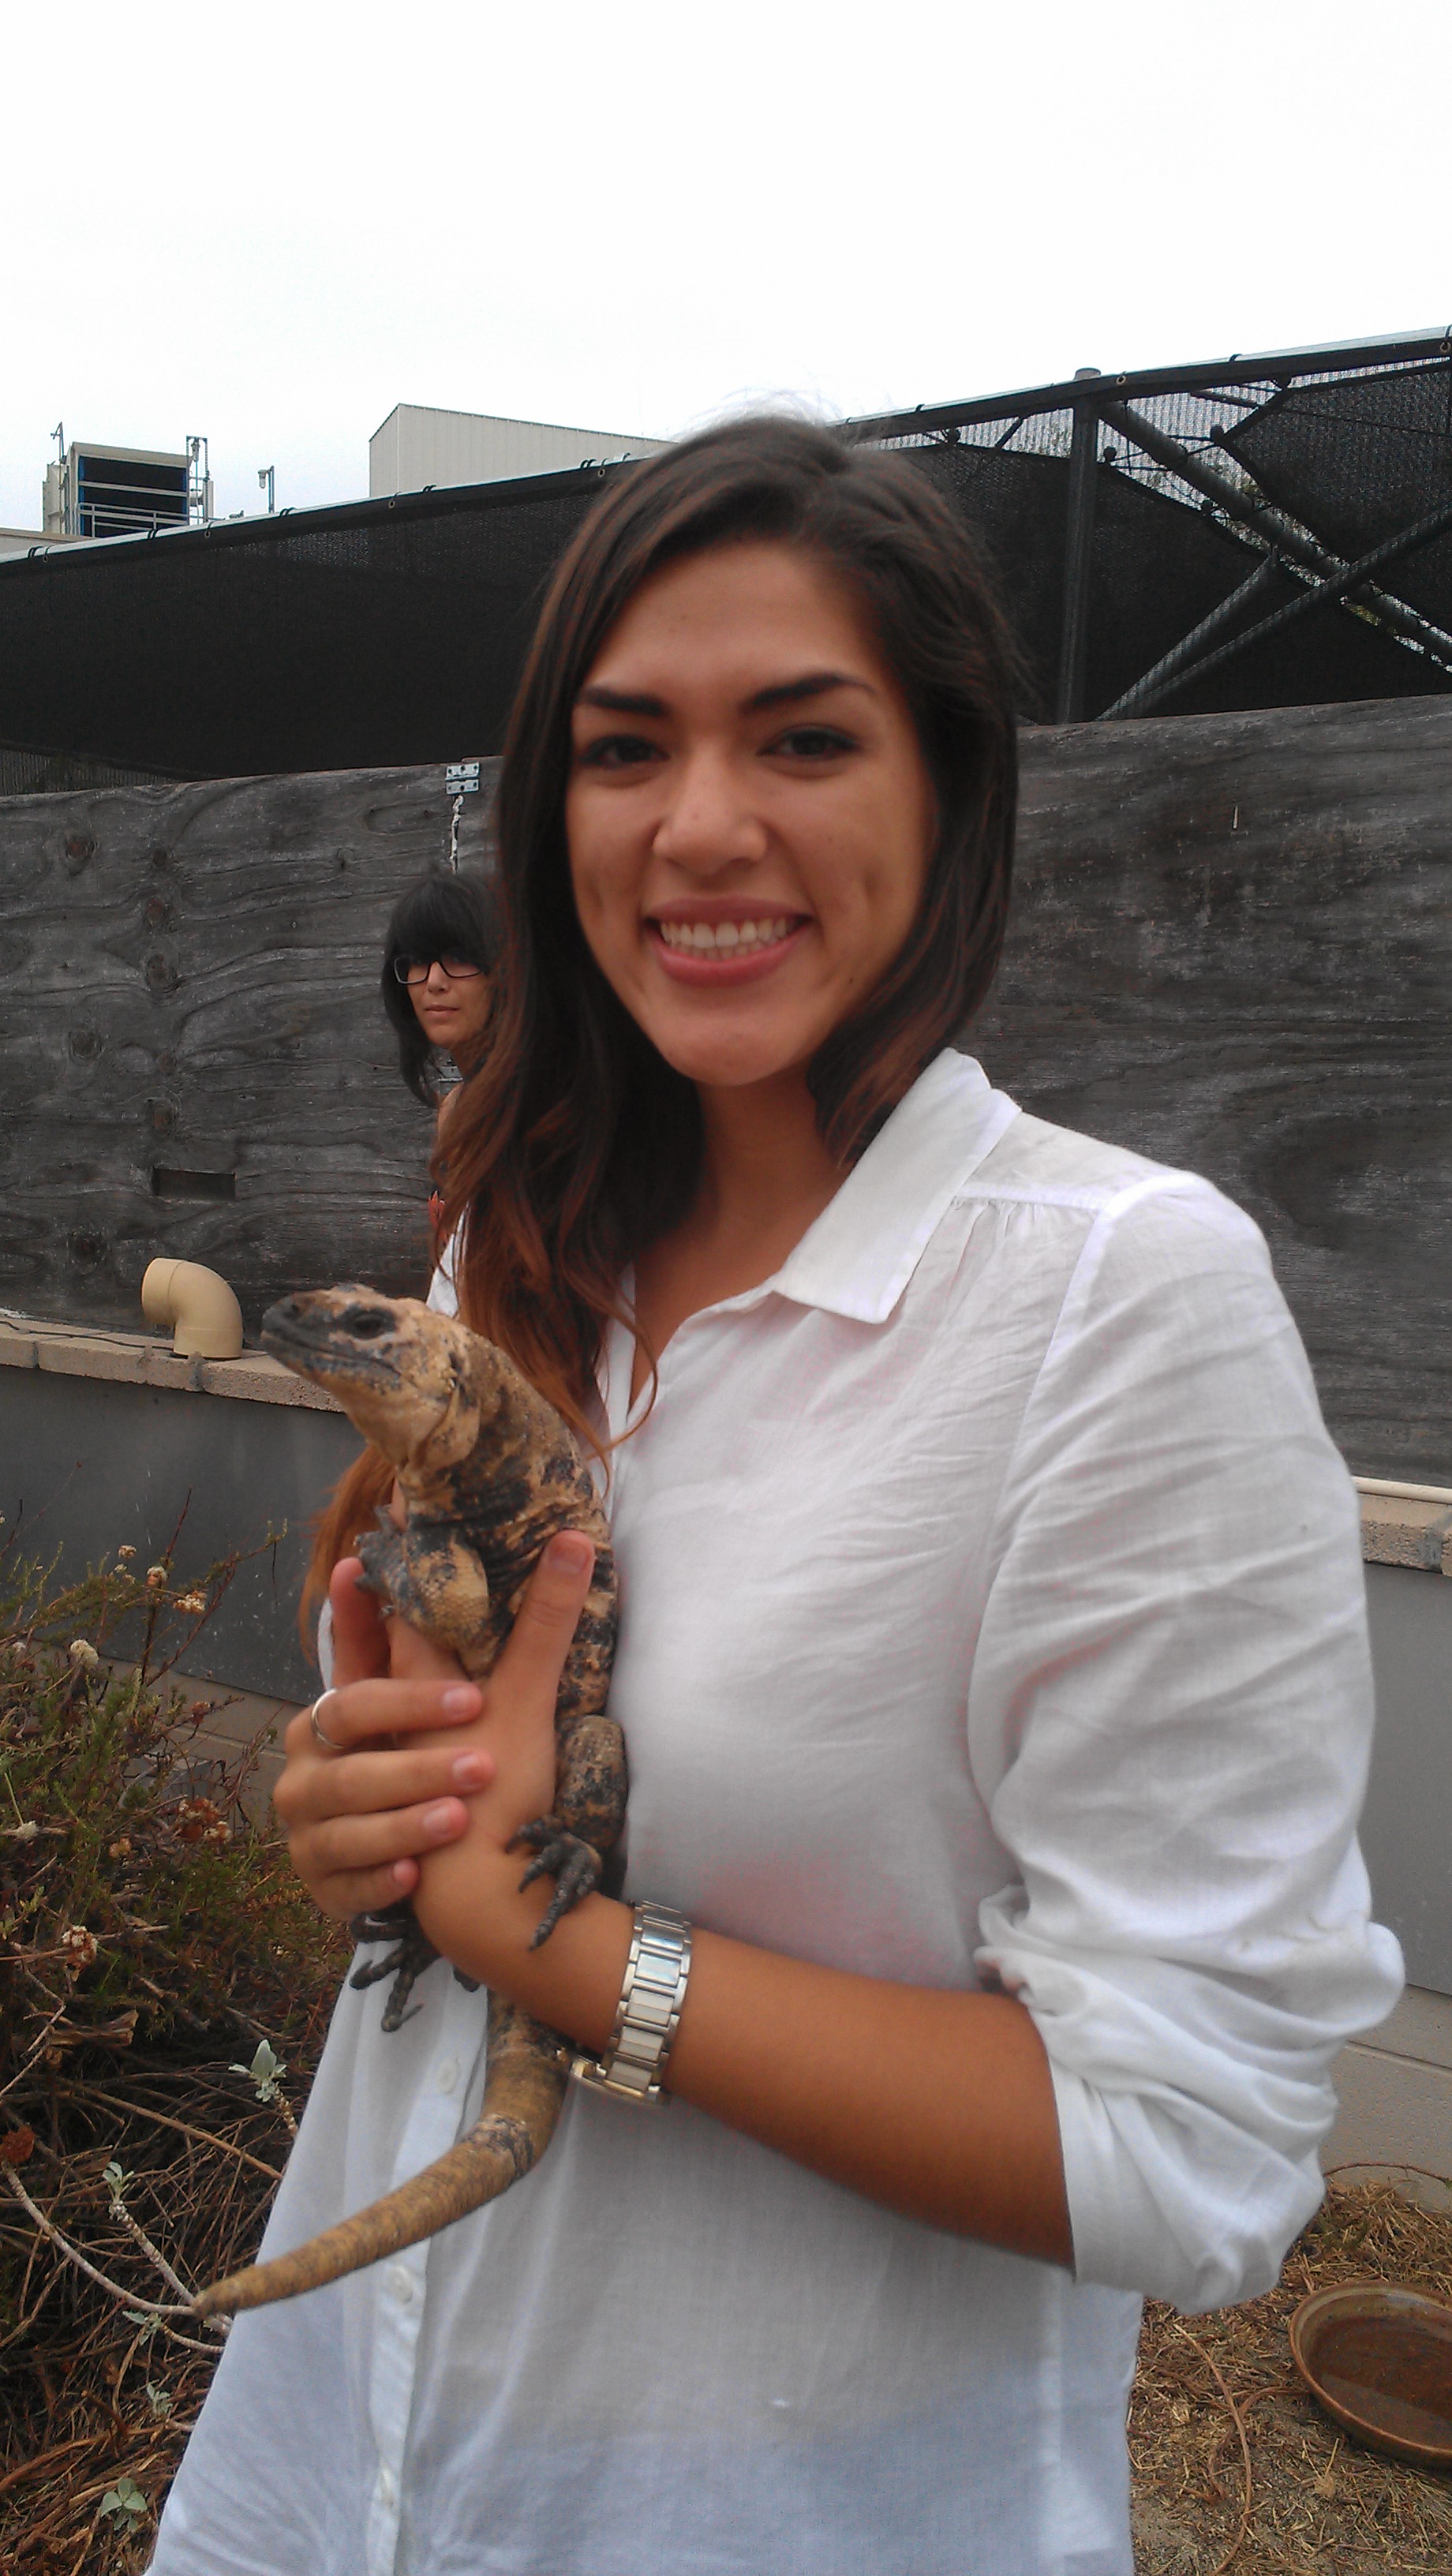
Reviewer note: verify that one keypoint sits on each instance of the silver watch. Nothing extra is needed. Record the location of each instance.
(649, 2011)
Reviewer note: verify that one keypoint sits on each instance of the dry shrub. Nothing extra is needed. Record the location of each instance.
(162, 1978)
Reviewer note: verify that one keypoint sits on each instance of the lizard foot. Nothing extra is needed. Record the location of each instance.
(573, 1864)
(412, 1952)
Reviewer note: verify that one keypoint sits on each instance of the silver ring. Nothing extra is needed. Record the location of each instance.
(325, 1742)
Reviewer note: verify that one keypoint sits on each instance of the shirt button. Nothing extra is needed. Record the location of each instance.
(400, 2282)
(446, 2075)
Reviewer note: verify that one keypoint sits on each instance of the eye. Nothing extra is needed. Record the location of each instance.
(367, 1326)
(617, 751)
(813, 742)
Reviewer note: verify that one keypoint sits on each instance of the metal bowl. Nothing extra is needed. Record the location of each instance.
(1380, 2360)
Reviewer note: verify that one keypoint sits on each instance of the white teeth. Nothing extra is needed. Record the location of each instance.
(723, 937)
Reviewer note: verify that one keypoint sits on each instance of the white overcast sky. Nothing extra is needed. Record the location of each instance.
(271, 224)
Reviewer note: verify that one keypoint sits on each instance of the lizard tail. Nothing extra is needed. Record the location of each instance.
(528, 2074)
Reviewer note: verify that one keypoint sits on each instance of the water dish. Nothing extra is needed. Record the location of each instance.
(1379, 2359)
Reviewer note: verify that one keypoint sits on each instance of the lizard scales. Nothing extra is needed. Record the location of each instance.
(490, 1473)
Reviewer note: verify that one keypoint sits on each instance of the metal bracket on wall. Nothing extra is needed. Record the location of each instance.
(461, 779)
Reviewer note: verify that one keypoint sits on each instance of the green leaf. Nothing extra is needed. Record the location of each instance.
(124, 2499)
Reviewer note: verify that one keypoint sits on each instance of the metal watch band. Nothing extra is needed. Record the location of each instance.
(649, 2010)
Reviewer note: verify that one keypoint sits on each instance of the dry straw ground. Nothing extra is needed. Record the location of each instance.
(1220, 2414)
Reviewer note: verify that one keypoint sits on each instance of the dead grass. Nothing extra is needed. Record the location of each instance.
(1318, 2504)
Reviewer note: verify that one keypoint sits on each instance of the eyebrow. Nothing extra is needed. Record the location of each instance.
(782, 693)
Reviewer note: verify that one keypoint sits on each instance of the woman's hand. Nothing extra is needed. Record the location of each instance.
(361, 1820)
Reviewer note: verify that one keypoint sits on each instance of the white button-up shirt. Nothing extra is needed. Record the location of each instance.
(992, 1614)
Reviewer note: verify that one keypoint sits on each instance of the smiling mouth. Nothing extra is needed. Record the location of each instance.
(726, 938)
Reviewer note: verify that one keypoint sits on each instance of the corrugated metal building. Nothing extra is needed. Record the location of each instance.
(418, 448)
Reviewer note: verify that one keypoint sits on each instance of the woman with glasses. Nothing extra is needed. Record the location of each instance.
(438, 960)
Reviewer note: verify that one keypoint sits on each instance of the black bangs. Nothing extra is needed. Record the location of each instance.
(441, 916)
(446, 916)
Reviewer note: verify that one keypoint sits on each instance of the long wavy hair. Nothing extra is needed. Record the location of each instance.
(575, 1144)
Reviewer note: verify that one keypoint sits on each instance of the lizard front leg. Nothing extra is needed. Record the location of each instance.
(570, 1843)
(431, 1577)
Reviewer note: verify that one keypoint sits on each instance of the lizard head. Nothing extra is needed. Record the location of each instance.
(404, 1375)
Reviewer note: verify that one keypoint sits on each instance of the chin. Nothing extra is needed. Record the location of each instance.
(722, 1064)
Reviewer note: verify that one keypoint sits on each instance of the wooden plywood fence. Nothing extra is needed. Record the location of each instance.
(1232, 949)
(194, 1059)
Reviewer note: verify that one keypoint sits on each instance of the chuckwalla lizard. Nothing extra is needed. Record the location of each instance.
(490, 1472)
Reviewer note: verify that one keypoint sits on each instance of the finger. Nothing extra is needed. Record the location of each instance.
(373, 1783)
(548, 1615)
(360, 1636)
(365, 1891)
(347, 1844)
(360, 1712)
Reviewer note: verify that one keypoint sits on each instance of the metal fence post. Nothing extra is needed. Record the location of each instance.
(1078, 546)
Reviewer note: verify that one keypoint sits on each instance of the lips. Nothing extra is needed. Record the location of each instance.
(722, 947)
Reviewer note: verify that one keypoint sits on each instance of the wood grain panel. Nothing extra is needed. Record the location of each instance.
(1232, 950)
(189, 979)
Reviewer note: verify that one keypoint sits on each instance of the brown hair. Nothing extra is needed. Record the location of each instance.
(575, 1144)
(347, 1513)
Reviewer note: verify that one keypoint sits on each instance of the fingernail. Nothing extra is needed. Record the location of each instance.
(439, 1822)
(471, 1771)
(570, 1553)
(461, 1700)
(404, 1873)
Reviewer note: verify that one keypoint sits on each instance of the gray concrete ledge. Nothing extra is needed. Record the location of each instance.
(1411, 1528)
(146, 1359)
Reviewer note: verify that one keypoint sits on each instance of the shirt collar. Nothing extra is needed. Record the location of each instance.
(858, 1257)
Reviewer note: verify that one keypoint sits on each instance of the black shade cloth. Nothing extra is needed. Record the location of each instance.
(393, 631)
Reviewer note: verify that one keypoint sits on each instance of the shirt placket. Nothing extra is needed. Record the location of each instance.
(401, 2284)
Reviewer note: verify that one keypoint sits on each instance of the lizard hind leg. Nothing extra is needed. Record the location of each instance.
(412, 1952)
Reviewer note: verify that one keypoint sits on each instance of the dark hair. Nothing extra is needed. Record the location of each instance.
(441, 916)
(575, 1143)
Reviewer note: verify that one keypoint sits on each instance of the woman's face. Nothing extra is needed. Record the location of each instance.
(451, 1009)
(749, 812)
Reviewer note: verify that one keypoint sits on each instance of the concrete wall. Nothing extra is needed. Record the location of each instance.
(1407, 1825)
(106, 1441)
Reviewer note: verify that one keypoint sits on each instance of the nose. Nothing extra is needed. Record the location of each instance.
(436, 981)
(709, 822)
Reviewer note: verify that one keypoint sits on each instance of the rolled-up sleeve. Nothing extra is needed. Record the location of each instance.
(1170, 1717)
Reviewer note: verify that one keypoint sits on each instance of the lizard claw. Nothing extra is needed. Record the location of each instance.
(572, 1863)
(413, 1951)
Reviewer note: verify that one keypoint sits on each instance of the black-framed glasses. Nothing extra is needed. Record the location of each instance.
(415, 970)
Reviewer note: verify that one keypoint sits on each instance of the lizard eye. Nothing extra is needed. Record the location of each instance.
(367, 1327)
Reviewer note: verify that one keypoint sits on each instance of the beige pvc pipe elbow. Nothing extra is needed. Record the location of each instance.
(199, 1303)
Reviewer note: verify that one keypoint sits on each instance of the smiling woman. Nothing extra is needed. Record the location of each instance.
(991, 1666)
